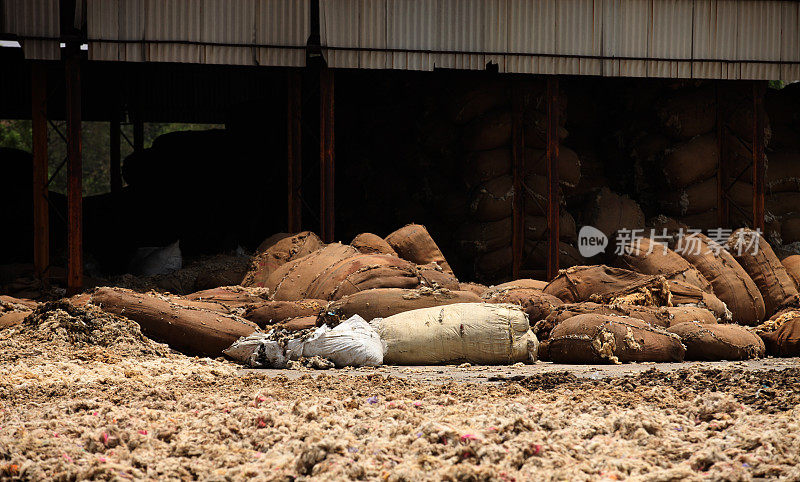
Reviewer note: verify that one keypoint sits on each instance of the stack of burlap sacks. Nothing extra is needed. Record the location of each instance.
(676, 153)
(783, 168)
(481, 114)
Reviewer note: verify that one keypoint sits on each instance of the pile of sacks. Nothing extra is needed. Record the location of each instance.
(395, 300)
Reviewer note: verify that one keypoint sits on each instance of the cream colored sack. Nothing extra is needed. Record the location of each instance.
(481, 333)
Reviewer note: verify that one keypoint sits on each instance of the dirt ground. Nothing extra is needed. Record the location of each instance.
(84, 395)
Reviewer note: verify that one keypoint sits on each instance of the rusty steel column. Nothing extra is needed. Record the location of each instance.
(552, 177)
(723, 206)
(327, 154)
(294, 150)
(518, 172)
(759, 169)
(74, 175)
(114, 156)
(41, 221)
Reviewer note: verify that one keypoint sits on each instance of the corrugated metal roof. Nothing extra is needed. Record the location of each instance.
(233, 32)
(725, 39)
(36, 23)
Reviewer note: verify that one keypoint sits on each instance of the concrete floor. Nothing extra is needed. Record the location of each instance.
(498, 374)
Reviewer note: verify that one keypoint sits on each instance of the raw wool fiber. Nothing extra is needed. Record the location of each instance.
(731, 282)
(755, 255)
(101, 420)
(781, 333)
(60, 329)
(718, 341)
(594, 338)
(605, 284)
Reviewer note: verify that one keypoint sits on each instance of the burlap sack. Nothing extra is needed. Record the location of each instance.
(602, 339)
(230, 296)
(489, 131)
(473, 101)
(526, 283)
(569, 164)
(755, 255)
(279, 252)
(713, 342)
(362, 272)
(702, 196)
(683, 314)
(482, 333)
(783, 171)
(267, 313)
(692, 161)
(291, 281)
(432, 275)
(609, 212)
(783, 203)
(535, 129)
(534, 302)
(476, 238)
(493, 200)
(368, 243)
(414, 243)
(475, 288)
(535, 256)
(385, 302)
(655, 316)
(604, 284)
(193, 331)
(790, 229)
(688, 112)
(731, 282)
(781, 333)
(649, 257)
(792, 265)
(686, 295)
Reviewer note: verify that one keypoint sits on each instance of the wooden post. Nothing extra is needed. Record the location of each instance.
(74, 175)
(723, 205)
(294, 150)
(552, 177)
(41, 221)
(759, 170)
(518, 171)
(114, 158)
(327, 154)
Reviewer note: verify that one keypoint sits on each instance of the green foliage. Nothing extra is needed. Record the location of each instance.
(777, 84)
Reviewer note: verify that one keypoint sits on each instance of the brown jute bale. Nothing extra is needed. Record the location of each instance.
(783, 203)
(535, 129)
(489, 131)
(270, 241)
(231, 296)
(475, 238)
(414, 243)
(792, 265)
(685, 294)
(298, 324)
(527, 283)
(536, 256)
(602, 339)
(569, 164)
(790, 229)
(604, 284)
(713, 342)
(12, 318)
(650, 257)
(279, 253)
(692, 161)
(189, 330)
(266, 313)
(783, 171)
(688, 112)
(652, 315)
(291, 281)
(702, 196)
(384, 302)
(534, 302)
(781, 333)
(493, 200)
(609, 212)
(473, 101)
(731, 282)
(433, 276)
(475, 288)
(755, 255)
(683, 314)
(369, 243)
(362, 272)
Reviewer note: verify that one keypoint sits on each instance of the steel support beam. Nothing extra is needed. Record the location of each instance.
(114, 157)
(518, 172)
(41, 221)
(552, 177)
(759, 169)
(327, 155)
(294, 150)
(74, 175)
(723, 205)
